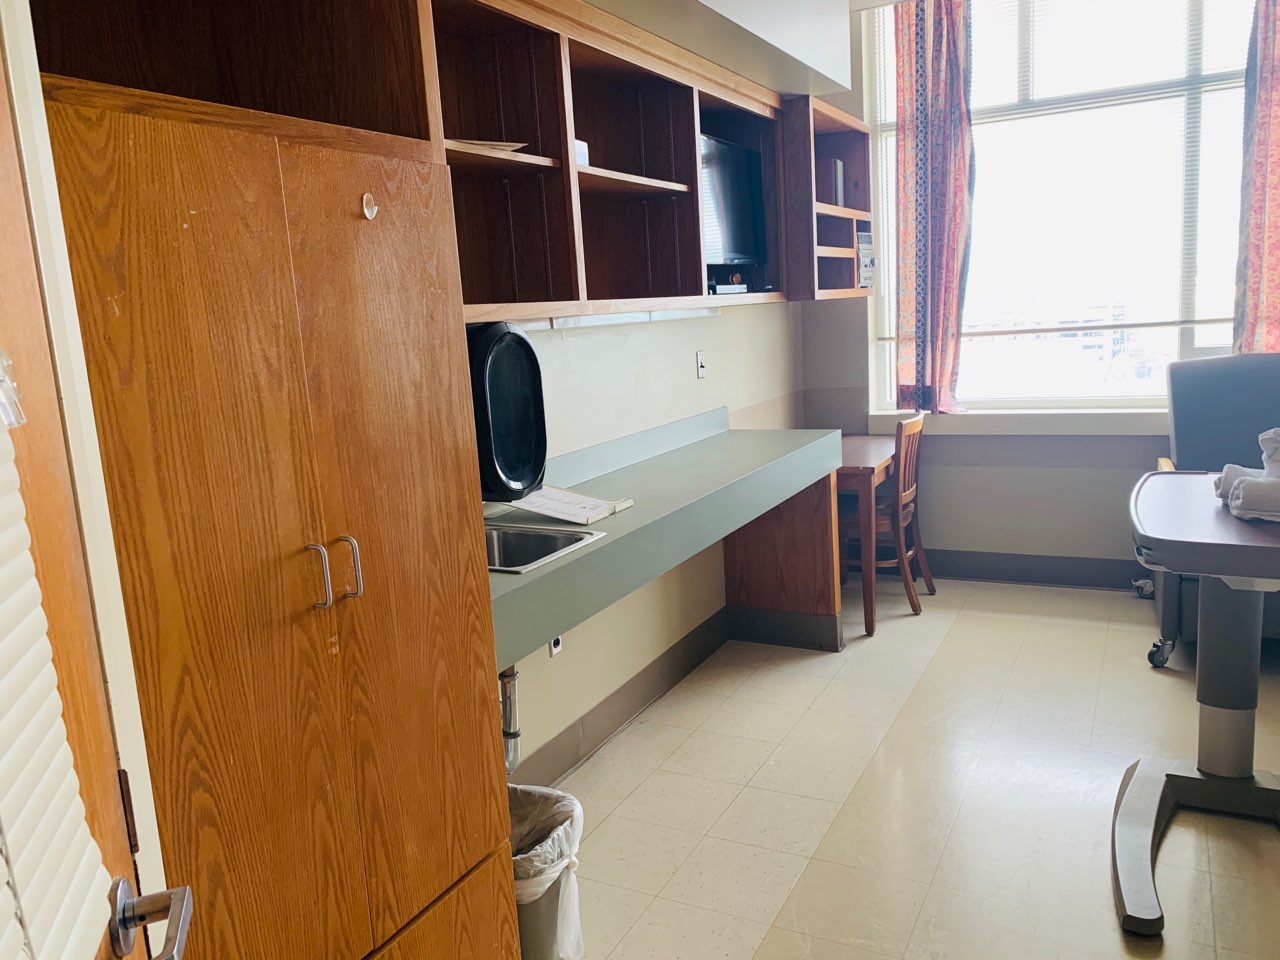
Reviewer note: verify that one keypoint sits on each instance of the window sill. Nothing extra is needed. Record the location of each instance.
(1034, 423)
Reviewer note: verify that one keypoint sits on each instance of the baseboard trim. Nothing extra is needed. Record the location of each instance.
(1029, 568)
(784, 628)
(571, 746)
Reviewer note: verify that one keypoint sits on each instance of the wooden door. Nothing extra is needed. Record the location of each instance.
(381, 311)
(476, 920)
(180, 259)
(44, 479)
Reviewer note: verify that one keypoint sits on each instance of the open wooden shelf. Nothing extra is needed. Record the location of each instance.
(492, 312)
(351, 65)
(829, 119)
(846, 213)
(837, 253)
(760, 136)
(612, 183)
(841, 293)
(473, 157)
(641, 235)
(502, 80)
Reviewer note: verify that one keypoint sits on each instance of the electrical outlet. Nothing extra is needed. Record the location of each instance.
(702, 364)
(555, 646)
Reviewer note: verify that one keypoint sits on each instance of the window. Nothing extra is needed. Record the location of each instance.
(1108, 140)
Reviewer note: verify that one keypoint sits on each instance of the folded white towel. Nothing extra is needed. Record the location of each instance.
(1230, 474)
(1270, 444)
(1256, 499)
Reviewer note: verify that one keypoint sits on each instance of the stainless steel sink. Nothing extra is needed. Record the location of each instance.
(514, 549)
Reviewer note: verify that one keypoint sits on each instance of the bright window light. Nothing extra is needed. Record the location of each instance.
(1106, 209)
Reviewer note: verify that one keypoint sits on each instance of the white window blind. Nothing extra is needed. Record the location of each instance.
(53, 885)
(1107, 135)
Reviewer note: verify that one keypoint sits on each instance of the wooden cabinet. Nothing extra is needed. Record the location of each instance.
(475, 921)
(391, 400)
(272, 368)
(181, 268)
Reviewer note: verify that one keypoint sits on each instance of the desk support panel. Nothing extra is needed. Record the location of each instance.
(783, 567)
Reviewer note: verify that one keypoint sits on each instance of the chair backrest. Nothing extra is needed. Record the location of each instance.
(1218, 406)
(906, 458)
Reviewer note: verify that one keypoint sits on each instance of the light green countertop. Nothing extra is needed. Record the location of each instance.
(686, 499)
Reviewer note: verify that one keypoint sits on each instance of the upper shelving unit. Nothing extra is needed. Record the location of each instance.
(500, 90)
(500, 83)
(639, 205)
(828, 173)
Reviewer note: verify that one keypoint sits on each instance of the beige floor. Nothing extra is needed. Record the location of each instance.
(941, 790)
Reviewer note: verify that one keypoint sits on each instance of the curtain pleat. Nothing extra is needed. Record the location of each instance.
(1257, 315)
(935, 197)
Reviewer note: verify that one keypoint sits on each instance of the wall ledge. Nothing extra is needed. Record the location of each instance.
(1034, 423)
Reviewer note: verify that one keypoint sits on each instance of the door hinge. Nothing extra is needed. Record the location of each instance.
(126, 801)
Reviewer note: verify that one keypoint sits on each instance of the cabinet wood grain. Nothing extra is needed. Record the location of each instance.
(380, 305)
(474, 921)
(787, 559)
(180, 258)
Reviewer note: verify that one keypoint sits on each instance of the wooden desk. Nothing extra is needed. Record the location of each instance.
(865, 463)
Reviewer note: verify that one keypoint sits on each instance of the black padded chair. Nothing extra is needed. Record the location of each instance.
(1217, 408)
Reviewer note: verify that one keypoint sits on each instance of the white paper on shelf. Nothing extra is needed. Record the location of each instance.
(571, 507)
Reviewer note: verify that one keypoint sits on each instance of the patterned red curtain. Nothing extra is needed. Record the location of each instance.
(935, 197)
(1257, 320)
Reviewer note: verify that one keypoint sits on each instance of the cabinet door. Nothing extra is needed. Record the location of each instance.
(474, 921)
(382, 329)
(180, 259)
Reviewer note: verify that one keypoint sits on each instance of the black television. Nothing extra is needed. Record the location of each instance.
(732, 204)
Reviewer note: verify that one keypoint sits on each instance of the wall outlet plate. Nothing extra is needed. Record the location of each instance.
(555, 646)
(702, 364)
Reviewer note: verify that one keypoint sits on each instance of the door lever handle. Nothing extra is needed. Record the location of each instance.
(327, 602)
(355, 561)
(129, 912)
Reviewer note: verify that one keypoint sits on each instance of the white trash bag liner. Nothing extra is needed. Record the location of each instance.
(546, 829)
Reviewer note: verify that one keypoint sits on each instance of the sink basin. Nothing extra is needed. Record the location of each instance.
(514, 549)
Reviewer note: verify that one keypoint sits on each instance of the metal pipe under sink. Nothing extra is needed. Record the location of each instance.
(509, 696)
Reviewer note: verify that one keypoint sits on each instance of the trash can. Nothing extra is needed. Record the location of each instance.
(546, 829)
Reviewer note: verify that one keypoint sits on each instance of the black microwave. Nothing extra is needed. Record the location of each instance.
(511, 422)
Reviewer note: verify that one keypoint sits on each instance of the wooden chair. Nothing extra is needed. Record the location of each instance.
(896, 516)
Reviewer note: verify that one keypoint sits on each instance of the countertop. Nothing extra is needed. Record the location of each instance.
(686, 499)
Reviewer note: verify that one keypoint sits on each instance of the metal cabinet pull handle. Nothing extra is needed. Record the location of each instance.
(128, 913)
(327, 602)
(355, 560)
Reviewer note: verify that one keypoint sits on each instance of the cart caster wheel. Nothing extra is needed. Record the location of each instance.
(1158, 655)
(1145, 589)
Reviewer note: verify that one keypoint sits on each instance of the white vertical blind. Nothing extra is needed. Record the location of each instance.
(53, 885)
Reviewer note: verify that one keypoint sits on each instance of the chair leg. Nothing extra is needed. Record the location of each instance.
(921, 559)
(904, 568)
